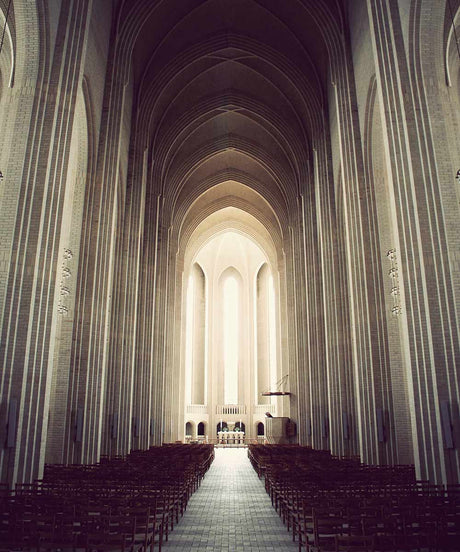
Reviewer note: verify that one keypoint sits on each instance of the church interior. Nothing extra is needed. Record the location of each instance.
(219, 214)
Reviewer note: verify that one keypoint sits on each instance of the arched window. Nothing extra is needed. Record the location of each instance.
(231, 332)
(195, 337)
(272, 330)
(189, 340)
(260, 429)
(221, 426)
(240, 425)
(200, 429)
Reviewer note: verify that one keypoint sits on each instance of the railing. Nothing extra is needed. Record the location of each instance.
(262, 408)
(231, 437)
(197, 409)
(231, 409)
(201, 439)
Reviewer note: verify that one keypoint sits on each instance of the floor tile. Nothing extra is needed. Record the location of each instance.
(230, 512)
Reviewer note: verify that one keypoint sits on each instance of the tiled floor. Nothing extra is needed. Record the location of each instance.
(230, 512)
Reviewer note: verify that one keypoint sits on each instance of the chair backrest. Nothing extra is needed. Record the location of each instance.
(354, 543)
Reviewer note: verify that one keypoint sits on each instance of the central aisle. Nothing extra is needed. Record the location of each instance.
(230, 512)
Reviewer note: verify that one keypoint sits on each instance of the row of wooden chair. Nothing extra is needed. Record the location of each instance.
(121, 504)
(334, 504)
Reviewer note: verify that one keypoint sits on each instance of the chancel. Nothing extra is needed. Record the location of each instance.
(212, 211)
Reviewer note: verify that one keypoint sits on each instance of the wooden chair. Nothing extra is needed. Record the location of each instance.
(303, 527)
(115, 534)
(325, 529)
(354, 543)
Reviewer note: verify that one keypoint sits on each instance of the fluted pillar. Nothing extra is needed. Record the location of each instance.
(32, 298)
(428, 332)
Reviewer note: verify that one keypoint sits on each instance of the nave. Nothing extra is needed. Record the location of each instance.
(230, 512)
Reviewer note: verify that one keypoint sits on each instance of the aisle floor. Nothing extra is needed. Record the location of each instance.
(230, 512)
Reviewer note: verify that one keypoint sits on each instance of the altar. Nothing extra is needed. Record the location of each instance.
(230, 437)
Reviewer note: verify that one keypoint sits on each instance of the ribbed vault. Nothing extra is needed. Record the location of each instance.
(221, 88)
(229, 218)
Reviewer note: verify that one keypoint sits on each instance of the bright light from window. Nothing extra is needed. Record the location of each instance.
(189, 340)
(231, 328)
(272, 330)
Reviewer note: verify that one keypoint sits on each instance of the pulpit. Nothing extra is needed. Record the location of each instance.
(276, 430)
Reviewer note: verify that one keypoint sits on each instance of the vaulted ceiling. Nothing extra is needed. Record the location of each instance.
(230, 91)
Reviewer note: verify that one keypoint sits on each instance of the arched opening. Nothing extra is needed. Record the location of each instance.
(231, 326)
(221, 268)
(201, 429)
(221, 426)
(189, 426)
(195, 337)
(240, 426)
(260, 429)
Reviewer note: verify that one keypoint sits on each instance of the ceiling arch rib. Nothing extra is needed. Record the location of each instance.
(179, 123)
(315, 24)
(160, 87)
(288, 177)
(241, 210)
(227, 145)
(260, 21)
(225, 220)
(230, 87)
(232, 123)
(142, 25)
(231, 248)
(177, 128)
(225, 195)
(203, 183)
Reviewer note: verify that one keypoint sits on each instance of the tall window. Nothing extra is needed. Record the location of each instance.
(231, 330)
(195, 337)
(189, 340)
(272, 330)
